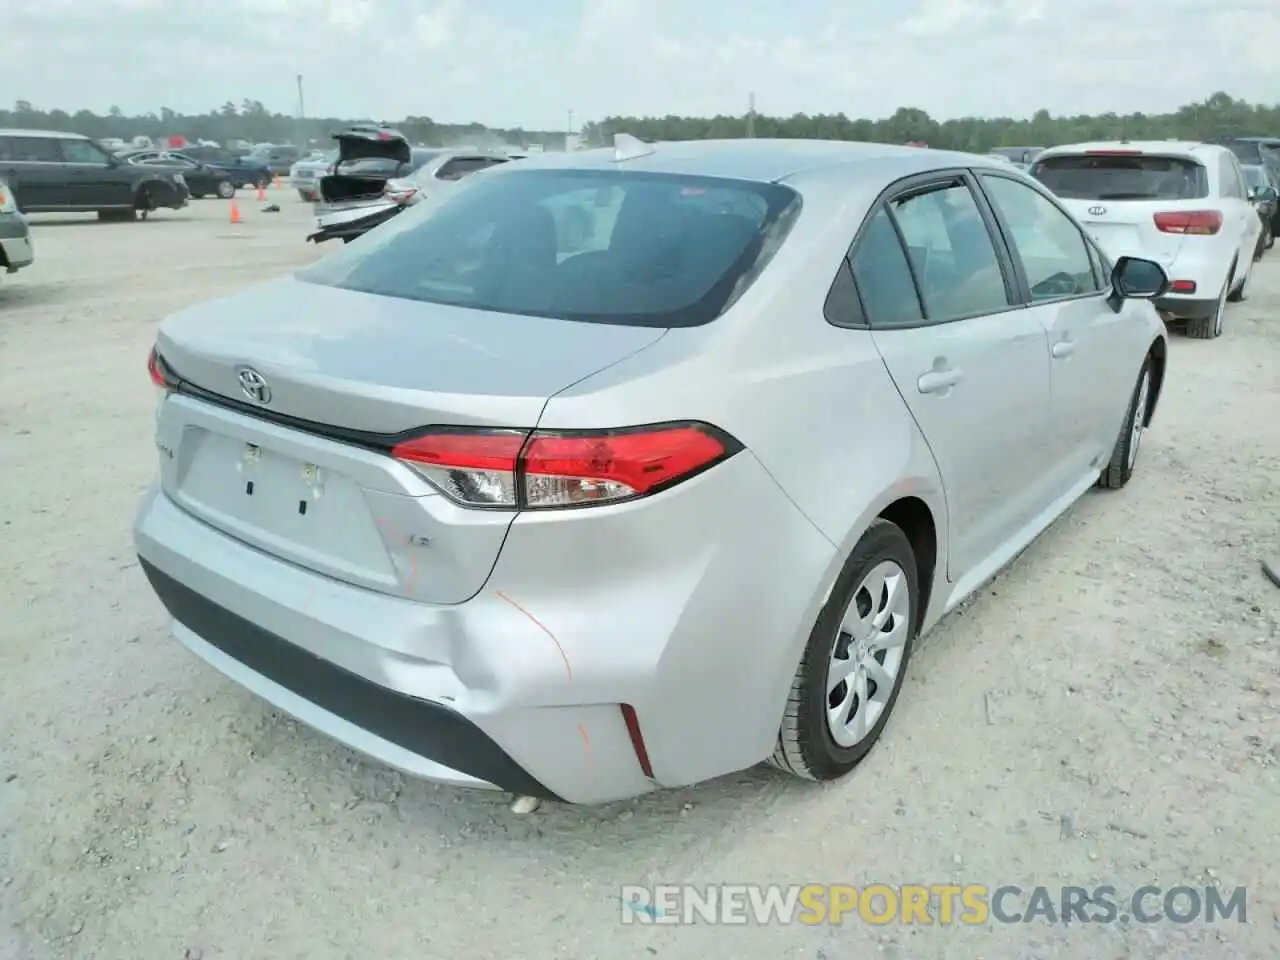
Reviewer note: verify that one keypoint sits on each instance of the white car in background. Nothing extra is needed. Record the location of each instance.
(1184, 205)
(304, 176)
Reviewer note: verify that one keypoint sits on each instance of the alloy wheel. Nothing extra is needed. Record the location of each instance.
(867, 656)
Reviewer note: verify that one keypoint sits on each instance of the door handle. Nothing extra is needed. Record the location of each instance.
(1063, 348)
(938, 381)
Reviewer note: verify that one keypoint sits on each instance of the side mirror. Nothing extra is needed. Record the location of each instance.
(1134, 278)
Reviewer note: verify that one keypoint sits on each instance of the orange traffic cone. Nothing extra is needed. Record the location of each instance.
(278, 182)
(235, 212)
(262, 193)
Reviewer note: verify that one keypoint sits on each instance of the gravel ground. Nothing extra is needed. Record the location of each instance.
(1105, 713)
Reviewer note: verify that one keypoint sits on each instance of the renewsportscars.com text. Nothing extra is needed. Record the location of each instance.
(942, 904)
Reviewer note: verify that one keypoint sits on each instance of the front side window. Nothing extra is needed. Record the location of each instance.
(1052, 249)
(596, 246)
(1122, 176)
(81, 151)
(952, 253)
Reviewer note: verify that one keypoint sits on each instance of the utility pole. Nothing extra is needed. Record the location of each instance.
(568, 131)
(751, 115)
(302, 116)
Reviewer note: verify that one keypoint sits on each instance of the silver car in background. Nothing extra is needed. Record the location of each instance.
(16, 249)
(625, 469)
(304, 176)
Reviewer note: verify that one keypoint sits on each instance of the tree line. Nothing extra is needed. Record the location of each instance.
(1218, 115)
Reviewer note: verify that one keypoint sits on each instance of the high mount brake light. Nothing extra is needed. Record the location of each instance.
(547, 469)
(1191, 222)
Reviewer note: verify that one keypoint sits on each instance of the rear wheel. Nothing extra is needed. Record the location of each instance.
(1207, 328)
(851, 672)
(1268, 238)
(1124, 457)
(226, 189)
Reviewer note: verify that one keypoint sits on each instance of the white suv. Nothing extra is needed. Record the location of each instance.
(1185, 205)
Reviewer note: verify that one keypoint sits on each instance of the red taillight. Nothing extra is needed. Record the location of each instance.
(517, 469)
(155, 370)
(1197, 222)
(1182, 286)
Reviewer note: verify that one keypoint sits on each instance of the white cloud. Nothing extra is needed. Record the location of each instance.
(515, 62)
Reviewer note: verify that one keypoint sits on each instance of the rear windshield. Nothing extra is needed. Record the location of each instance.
(1101, 177)
(599, 246)
(370, 167)
(1246, 151)
(1255, 177)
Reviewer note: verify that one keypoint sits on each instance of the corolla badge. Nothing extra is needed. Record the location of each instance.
(254, 386)
(1097, 211)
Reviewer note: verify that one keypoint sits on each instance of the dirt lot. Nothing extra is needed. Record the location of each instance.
(1105, 714)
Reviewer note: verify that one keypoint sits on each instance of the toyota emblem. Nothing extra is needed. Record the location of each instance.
(254, 386)
(1097, 211)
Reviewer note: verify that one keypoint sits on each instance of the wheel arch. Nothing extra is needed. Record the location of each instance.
(1159, 354)
(913, 517)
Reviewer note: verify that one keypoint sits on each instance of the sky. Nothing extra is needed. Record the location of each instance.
(530, 63)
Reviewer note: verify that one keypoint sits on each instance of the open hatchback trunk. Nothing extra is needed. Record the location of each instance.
(288, 406)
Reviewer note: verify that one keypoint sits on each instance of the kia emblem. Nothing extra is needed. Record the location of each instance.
(1097, 211)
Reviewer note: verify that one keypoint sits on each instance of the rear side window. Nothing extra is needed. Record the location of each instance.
(30, 150)
(1122, 177)
(598, 246)
(459, 167)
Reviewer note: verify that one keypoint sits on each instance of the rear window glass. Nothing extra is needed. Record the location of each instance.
(598, 246)
(370, 167)
(1100, 177)
(1255, 177)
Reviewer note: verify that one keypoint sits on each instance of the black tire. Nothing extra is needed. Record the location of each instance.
(225, 189)
(805, 746)
(1210, 328)
(197, 196)
(1268, 239)
(1121, 466)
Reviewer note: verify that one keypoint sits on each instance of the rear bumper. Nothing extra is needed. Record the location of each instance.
(16, 248)
(689, 614)
(1188, 308)
(349, 224)
(401, 730)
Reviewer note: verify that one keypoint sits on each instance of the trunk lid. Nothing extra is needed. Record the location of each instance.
(320, 494)
(367, 158)
(1128, 227)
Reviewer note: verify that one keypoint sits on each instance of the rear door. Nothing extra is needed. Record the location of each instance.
(34, 169)
(1094, 351)
(970, 363)
(1116, 195)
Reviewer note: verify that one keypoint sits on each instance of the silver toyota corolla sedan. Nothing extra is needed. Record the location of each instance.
(625, 469)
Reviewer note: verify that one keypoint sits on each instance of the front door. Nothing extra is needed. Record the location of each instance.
(970, 363)
(1095, 352)
(92, 176)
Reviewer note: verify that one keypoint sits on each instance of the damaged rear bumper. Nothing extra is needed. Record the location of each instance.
(347, 223)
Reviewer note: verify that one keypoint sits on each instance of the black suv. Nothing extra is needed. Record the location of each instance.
(1253, 151)
(51, 172)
